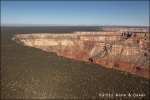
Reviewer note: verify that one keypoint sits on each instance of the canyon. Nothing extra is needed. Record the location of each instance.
(118, 48)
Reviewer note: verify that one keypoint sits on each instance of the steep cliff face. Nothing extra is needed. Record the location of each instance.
(123, 51)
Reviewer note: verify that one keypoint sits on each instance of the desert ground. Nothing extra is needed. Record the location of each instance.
(30, 73)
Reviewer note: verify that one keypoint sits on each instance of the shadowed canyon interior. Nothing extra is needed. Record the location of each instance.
(124, 49)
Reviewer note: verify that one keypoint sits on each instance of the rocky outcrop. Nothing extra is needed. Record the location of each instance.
(127, 51)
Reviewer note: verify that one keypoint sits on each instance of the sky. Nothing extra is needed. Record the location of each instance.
(134, 13)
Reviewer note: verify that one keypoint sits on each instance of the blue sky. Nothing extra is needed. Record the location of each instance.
(75, 12)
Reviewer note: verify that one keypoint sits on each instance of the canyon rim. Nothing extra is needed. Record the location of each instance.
(125, 49)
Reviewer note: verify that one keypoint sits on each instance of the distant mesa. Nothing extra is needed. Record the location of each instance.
(125, 49)
(125, 29)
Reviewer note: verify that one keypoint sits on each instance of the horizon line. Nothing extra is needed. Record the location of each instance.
(67, 25)
(17, 24)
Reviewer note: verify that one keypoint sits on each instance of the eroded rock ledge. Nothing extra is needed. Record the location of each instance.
(127, 51)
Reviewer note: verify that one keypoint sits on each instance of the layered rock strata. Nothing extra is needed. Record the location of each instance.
(125, 29)
(123, 51)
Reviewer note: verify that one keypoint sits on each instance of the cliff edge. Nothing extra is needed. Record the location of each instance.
(126, 51)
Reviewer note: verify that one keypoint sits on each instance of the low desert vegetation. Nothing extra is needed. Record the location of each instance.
(30, 73)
